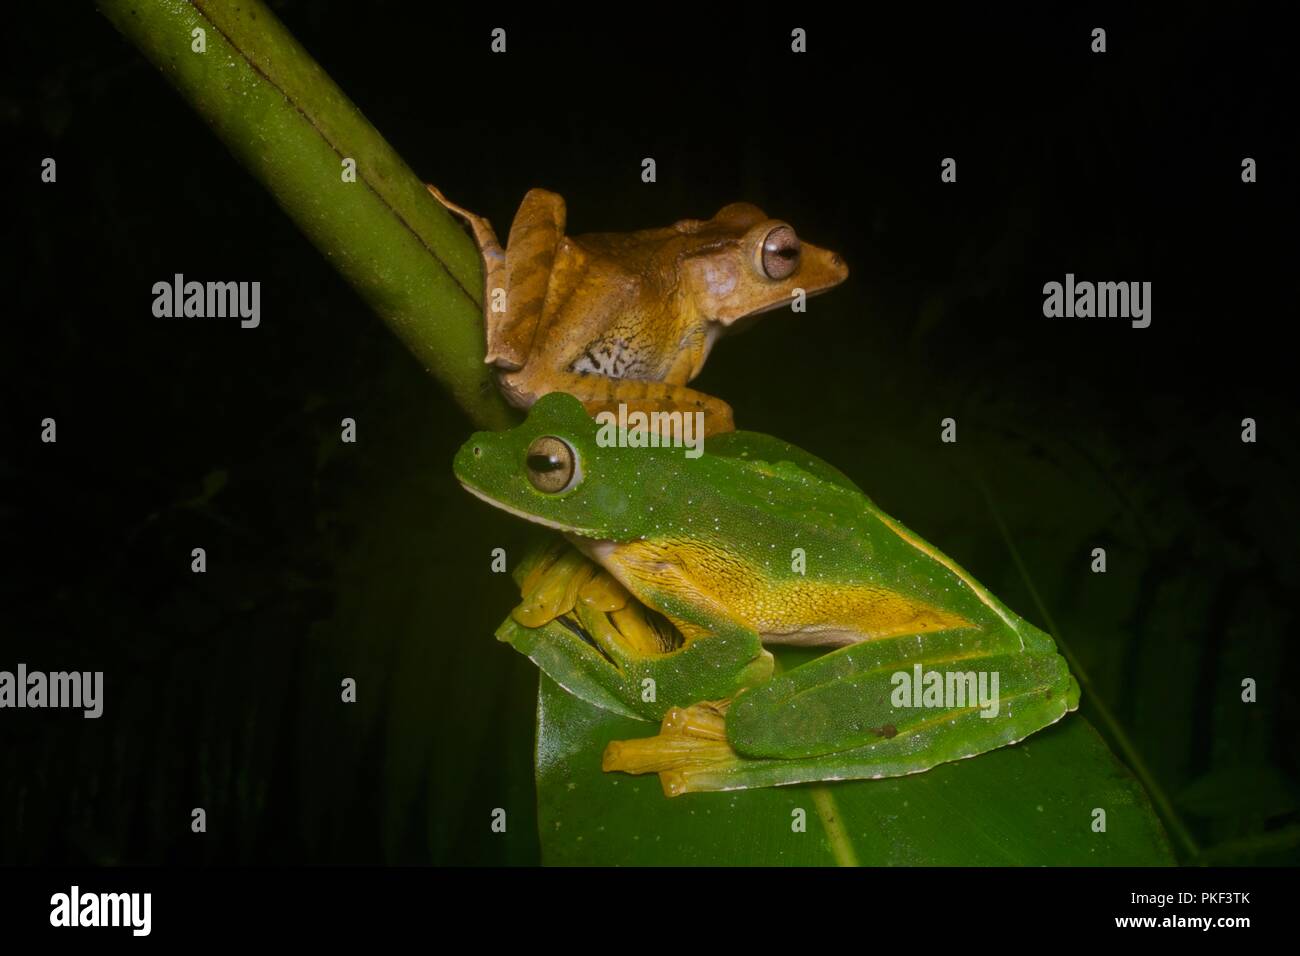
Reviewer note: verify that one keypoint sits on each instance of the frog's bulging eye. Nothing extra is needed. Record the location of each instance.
(552, 464)
(780, 253)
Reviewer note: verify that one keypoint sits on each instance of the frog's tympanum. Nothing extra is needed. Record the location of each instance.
(677, 571)
(629, 318)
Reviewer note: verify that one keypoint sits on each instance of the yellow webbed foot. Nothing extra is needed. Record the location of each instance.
(690, 740)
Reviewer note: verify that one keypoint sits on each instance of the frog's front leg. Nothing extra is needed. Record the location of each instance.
(880, 708)
(593, 638)
(556, 581)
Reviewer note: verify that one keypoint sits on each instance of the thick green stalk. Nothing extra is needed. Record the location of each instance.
(285, 120)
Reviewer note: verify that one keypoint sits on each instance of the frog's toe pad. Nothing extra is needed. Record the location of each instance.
(706, 720)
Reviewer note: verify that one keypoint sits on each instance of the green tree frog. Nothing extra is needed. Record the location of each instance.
(678, 570)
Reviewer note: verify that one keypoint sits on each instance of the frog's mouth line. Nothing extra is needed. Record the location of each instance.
(534, 519)
(749, 319)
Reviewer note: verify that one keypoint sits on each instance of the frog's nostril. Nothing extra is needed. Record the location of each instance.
(478, 452)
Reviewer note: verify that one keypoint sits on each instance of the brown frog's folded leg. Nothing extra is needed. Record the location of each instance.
(522, 273)
(661, 397)
(600, 394)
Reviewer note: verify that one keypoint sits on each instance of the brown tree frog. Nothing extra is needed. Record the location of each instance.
(629, 318)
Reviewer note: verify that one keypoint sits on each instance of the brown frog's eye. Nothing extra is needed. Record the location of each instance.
(780, 253)
(552, 465)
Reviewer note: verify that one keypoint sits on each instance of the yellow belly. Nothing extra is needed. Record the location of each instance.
(788, 610)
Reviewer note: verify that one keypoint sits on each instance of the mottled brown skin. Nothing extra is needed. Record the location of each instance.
(629, 318)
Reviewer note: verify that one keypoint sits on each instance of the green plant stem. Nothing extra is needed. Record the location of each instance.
(283, 118)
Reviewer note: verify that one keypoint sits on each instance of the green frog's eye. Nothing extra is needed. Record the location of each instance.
(780, 253)
(552, 464)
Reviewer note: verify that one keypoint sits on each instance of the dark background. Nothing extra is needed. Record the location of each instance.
(328, 560)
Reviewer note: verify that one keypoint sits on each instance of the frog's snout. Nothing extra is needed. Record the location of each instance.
(823, 268)
(839, 267)
(470, 457)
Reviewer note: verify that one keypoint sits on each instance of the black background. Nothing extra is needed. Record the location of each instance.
(329, 560)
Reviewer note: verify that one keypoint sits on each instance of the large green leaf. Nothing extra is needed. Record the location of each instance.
(1031, 804)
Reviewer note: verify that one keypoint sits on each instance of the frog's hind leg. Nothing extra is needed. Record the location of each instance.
(623, 628)
(842, 716)
(549, 584)
(558, 581)
(691, 740)
(509, 332)
(600, 393)
(484, 235)
(515, 285)
(650, 397)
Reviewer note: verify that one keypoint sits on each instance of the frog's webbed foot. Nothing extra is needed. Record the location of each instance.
(562, 583)
(550, 584)
(691, 740)
(486, 238)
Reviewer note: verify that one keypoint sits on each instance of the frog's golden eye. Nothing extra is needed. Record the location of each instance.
(552, 464)
(780, 253)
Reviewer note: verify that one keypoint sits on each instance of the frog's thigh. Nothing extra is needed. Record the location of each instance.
(514, 303)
